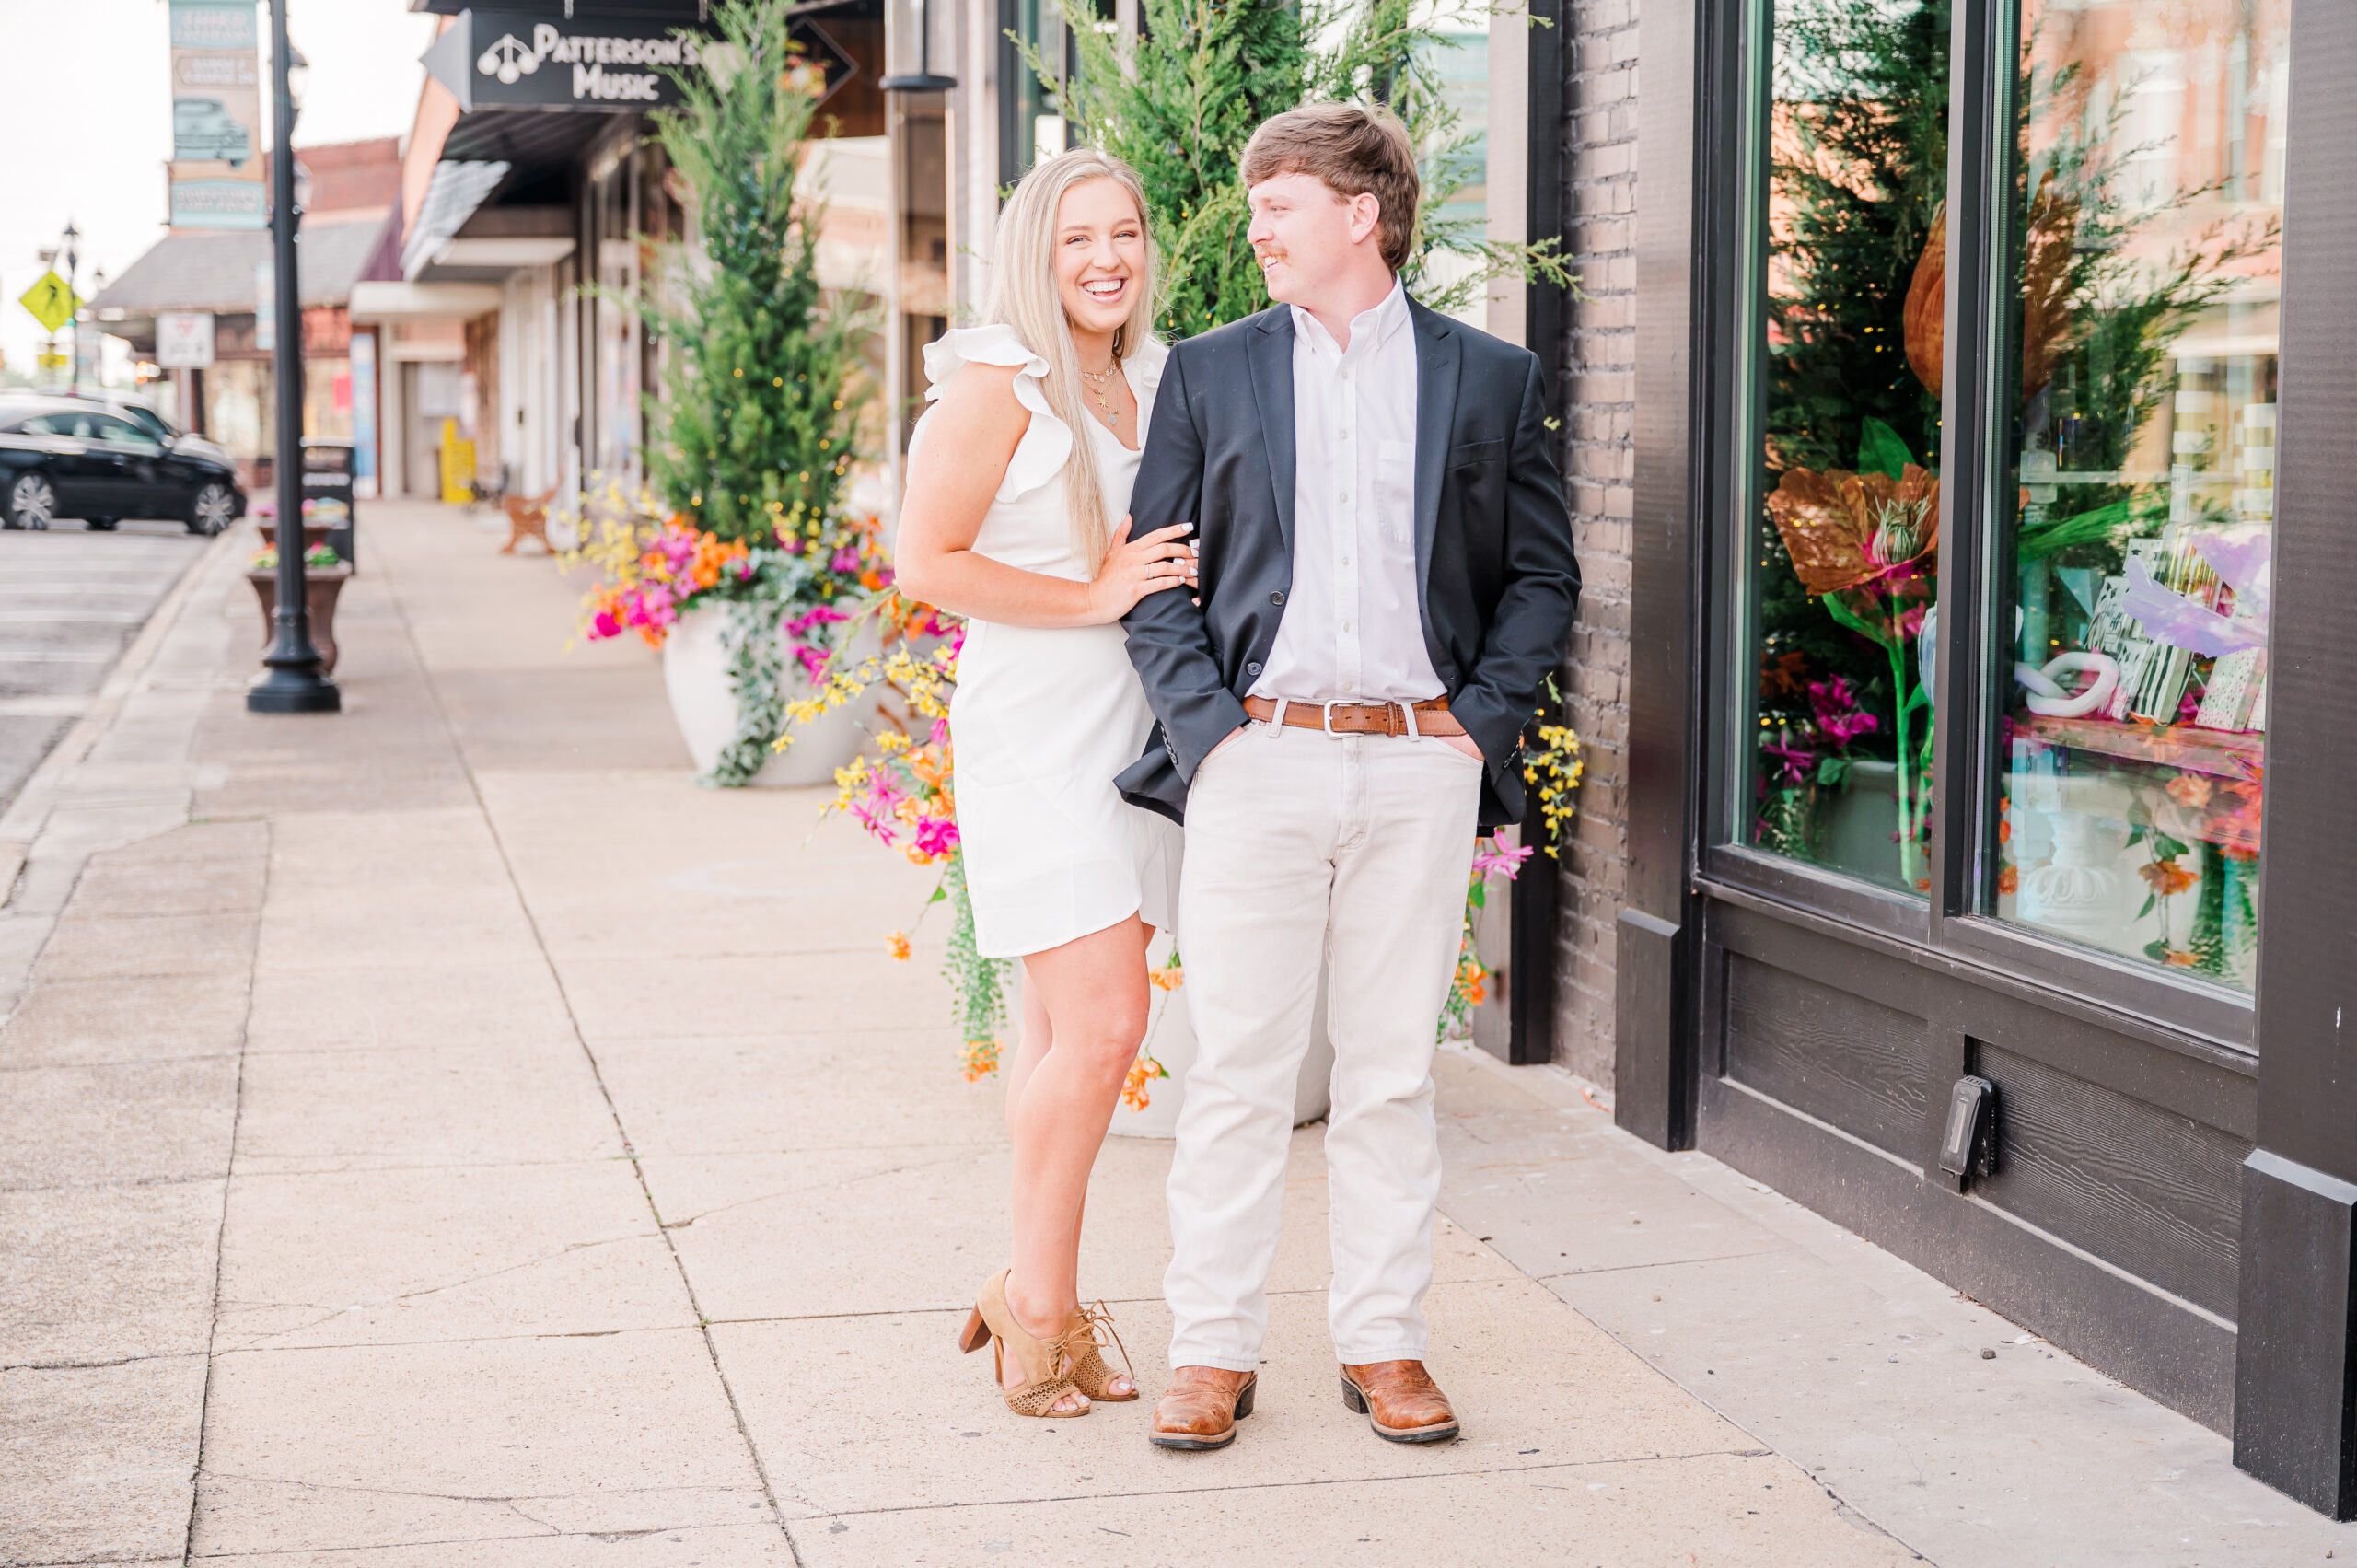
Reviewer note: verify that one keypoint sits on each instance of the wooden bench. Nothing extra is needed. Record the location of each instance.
(528, 519)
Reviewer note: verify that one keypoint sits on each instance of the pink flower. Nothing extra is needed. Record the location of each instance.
(936, 836)
(1838, 714)
(819, 615)
(1496, 857)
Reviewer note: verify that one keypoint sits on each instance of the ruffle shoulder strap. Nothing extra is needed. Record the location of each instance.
(1041, 455)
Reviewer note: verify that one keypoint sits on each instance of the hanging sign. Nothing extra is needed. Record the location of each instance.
(184, 340)
(217, 151)
(515, 59)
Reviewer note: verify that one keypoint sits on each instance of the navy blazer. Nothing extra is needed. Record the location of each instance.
(1497, 580)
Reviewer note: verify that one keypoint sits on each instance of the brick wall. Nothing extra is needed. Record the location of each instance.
(1600, 370)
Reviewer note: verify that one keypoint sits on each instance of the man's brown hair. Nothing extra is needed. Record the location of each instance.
(1352, 152)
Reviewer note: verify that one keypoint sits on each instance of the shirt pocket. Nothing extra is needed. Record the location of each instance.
(1395, 489)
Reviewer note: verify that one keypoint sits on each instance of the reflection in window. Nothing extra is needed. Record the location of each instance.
(1846, 541)
(2149, 203)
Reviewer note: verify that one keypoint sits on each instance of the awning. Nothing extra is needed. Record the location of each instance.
(214, 269)
(458, 188)
(410, 301)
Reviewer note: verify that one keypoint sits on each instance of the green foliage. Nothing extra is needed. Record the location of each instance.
(1861, 90)
(1180, 104)
(755, 415)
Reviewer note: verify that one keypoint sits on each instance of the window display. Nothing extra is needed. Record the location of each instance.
(2148, 200)
(1852, 248)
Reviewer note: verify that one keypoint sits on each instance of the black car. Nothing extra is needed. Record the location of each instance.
(78, 458)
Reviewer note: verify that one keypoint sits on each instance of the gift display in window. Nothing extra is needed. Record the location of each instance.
(2132, 754)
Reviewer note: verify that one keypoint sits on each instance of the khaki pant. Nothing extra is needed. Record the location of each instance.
(1291, 834)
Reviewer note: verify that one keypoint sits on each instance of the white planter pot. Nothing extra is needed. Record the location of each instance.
(695, 675)
(1172, 1038)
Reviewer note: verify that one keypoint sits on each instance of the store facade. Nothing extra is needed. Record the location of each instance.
(1988, 850)
(537, 205)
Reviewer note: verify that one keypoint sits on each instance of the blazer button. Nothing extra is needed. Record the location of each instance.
(1277, 599)
(1251, 669)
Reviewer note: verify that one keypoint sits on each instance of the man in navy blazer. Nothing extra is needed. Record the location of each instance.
(1386, 580)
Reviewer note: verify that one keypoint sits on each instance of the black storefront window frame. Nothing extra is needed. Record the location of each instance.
(1950, 918)
(2282, 1373)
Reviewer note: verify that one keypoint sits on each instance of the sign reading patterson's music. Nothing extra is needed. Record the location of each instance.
(509, 59)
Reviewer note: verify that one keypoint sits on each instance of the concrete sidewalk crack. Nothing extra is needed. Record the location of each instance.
(329, 1314)
(1309, 1482)
(597, 1070)
(832, 1186)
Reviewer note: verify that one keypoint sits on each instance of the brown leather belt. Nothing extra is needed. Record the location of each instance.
(1432, 718)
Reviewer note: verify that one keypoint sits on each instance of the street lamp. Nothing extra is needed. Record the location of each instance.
(922, 79)
(292, 681)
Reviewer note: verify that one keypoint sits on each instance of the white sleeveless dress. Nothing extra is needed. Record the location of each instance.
(1044, 719)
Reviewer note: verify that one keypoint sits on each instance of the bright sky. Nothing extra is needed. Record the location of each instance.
(86, 118)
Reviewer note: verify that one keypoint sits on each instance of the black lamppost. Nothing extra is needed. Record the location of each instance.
(292, 682)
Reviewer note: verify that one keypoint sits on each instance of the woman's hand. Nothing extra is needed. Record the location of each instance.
(1135, 568)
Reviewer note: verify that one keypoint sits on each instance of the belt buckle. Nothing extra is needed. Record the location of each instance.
(1326, 716)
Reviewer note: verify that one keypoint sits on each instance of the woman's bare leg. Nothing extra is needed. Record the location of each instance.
(1093, 994)
(1037, 1035)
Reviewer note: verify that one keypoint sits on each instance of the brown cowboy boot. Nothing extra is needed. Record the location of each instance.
(1200, 1408)
(1401, 1400)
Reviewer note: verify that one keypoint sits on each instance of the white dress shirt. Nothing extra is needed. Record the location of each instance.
(1351, 629)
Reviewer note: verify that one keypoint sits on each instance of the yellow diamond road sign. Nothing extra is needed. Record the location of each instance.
(51, 303)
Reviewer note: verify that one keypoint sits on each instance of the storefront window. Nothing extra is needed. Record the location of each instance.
(2148, 204)
(1852, 246)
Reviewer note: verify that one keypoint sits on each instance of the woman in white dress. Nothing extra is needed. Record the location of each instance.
(1018, 480)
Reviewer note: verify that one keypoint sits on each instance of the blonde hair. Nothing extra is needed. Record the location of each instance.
(1024, 296)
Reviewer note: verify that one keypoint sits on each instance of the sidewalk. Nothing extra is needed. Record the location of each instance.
(440, 1136)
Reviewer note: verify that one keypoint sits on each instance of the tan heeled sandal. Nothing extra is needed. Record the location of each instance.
(1090, 1373)
(1046, 1377)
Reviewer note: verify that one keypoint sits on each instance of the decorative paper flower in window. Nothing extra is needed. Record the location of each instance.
(1845, 531)
(2242, 562)
(2046, 293)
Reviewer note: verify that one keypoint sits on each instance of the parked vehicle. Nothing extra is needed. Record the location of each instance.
(204, 130)
(77, 458)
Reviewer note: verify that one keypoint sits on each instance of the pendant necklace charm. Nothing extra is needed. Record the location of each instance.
(1098, 381)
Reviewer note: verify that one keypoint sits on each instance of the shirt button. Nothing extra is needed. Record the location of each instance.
(1251, 669)
(1277, 599)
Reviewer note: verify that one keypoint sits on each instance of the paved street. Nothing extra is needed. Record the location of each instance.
(70, 602)
(441, 1136)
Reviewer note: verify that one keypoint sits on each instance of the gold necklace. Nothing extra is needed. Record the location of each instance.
(1098, 382)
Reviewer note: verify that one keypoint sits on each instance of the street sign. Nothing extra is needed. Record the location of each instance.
(51, 303)
(183, 339)
(49, 361)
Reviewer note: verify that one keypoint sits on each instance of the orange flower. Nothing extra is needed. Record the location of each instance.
(2008, 879)
(2166, 877)
(898, 944)
(2180, 960)
(1166, 979)
(1842, 529)
(2189, 790)
(979, 1059)
(1143, 1071)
